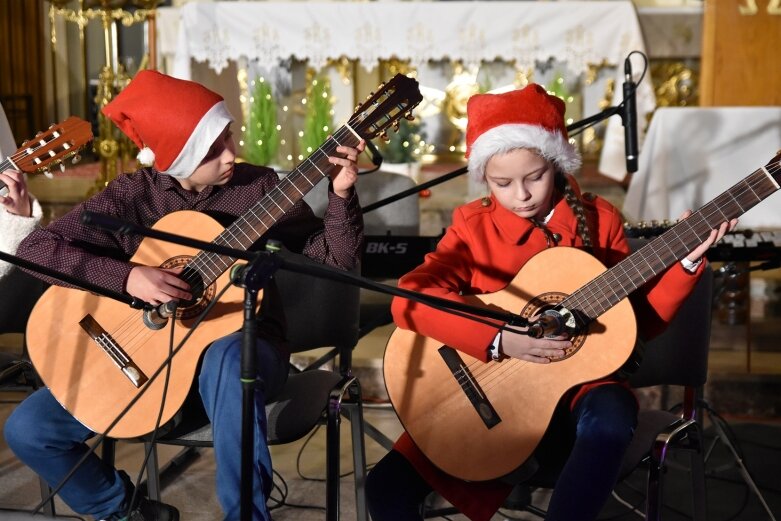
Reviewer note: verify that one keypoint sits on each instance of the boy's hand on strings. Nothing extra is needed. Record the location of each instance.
(343, 179)
(715, 236)
(157, 285)
(17, 200)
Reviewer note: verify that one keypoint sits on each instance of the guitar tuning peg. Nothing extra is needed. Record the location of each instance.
(370, 96)
(384, 136)
(48, 174)
(62, 168)
(409, 117)
(51, 126)
(382, 85)
(76, 158)
(396, 125)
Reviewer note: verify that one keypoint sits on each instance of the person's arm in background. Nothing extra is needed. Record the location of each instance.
(20, 213)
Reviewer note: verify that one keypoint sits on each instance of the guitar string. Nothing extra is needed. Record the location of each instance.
(206, 260)
(696, 228)
(30, 150)
(488, 375)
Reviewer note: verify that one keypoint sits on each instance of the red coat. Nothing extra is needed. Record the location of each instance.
(482, 252)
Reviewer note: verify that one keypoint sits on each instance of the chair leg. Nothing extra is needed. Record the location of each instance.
(699, 498)
(46, 491)
(354, 411)
(152, 472)
(332, 455)
(653, 500)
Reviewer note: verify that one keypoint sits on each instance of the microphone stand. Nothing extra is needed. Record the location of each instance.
(591, 120)
(254, 275)
(131, 301)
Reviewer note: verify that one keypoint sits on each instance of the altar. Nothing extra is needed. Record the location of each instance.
(693, 154)
(581, 35)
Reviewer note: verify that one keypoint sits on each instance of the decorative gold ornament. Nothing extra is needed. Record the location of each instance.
(110, 145)
(457, 93)
(677, 85)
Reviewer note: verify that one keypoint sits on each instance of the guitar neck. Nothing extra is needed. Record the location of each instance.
(256, 221)
(6, 164)
(615, 284)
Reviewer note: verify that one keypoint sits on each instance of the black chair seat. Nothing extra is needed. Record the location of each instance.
(301, 405)
(650, 423)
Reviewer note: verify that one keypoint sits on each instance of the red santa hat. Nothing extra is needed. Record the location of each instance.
(173, 122)
(525, 118)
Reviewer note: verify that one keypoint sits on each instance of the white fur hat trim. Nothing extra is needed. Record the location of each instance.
(505, 138)
(200, 141)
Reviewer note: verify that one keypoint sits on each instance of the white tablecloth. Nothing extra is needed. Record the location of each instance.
(7, 143)
(691, 155)
(580, 33)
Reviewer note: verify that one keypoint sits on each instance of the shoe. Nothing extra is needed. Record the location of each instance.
(149, 510)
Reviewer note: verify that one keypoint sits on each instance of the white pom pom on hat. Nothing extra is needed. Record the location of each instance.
(174, 122)
(146, 157)
(524, 118)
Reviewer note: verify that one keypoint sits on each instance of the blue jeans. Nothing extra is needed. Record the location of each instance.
(45, 437)
(580, 456)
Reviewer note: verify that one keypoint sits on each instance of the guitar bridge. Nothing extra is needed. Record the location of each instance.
(113, 350)
(470, 386)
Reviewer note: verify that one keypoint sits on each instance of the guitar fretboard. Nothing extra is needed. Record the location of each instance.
(256, 221)
(615, 284)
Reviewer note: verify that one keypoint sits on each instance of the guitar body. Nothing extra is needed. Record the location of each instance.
(447, 427)
(81, 375)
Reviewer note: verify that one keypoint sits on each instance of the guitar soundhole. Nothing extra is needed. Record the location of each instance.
(201, 296)
(546, 301)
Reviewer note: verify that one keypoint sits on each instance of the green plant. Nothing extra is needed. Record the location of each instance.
(318, 122)
(406, 145)
(261, 135)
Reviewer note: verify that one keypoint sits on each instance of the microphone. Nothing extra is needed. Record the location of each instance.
(550, 323)
(157, 317)
(629, 118)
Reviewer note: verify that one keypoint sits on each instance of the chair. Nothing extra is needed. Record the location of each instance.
(401, 217)
(677, 357)
(328, 316)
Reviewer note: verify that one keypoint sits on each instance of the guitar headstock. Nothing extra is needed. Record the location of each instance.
(50, 147)
(386, 107)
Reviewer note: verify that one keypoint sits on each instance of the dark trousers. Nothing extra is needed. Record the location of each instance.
(581, 453)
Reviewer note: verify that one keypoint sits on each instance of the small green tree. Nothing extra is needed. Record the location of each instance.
(405, 145)
(318, 122)
(261, 136)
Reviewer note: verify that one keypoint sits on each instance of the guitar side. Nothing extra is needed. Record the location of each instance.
(82, 376)
(446, 426)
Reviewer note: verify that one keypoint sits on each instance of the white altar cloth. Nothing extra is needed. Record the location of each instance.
(580, 33)
(691, 155)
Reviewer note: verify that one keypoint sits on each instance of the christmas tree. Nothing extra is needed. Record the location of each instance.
(261, 136)
(318, 122)
(406, 145)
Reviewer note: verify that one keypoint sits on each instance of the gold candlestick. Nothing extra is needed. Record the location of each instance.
(110, 145)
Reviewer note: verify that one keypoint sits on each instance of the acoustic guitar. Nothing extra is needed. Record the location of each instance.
(479, 421)
(96, 355)
(49, 148)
